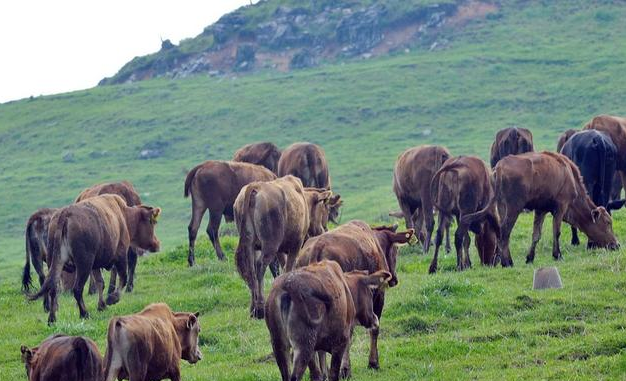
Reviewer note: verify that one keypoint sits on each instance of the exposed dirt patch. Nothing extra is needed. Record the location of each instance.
(470, 11)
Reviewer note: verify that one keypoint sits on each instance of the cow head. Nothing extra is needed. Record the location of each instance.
(28, 356)
(144, 236)
(361, 286)
(188, 330)
(389, 240)
(600, 229)
(317, 202)
(615, 205)
(334, 208)
(486, 243)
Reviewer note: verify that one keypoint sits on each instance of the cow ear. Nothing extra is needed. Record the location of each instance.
(403, 238)
(27, 354)
(615, 204)
(197, 314)
(192, 321)
(154, 217)
(334, 200)
(595, 215)
(324, 196)
(379, 279)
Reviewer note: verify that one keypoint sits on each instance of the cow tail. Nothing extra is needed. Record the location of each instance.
(115, 328)
(54, 251)
(26, 278)
(243, 259)
(85, 367)
(434, 187)
(603, 199)
(189, 179)
(301, 296)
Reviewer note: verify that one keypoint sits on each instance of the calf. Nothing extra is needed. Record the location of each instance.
(265, 154)
(95, 234)
(412, 175)
(150, 344)
(595, 155)
(356, 246)
(214, 185)
(275, 217)
(63, 358)
(544, 182)
(511, 141)
(315, 308)
(462, 186)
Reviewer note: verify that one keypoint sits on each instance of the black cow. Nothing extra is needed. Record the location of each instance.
(595, 155)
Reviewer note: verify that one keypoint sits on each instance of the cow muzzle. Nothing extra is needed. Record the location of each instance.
(394, 281)
(155, 246)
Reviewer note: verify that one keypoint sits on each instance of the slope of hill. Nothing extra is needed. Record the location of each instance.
(284, 35)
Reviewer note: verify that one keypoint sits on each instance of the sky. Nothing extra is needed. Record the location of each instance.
(56, 46)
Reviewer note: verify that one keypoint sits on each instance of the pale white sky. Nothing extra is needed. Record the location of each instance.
(55, 46)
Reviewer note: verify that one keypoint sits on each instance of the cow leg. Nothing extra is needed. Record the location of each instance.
(267, 255)
(557, 218)
(280, 345)
(37, 262)
(335, 361)
(575, 239)
(466, 246)
(175, 374)
(418, 217)
(53, 303)
(406, 212)
(197, 212)
(137, 370)
(537, 225)
(114, 290)
(92, 286)
(321, 357)
(301, 358)
(99, 281)
(459, 237)
(438, 239)
(448, 247)
(132, 265)
(212, 230)
(315, 372)
(346, 369)
(379, 303)
(429, 221)
(79, 285)
(510, 217)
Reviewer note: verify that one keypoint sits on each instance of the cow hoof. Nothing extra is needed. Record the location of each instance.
(345, 373)
(85, 315)
(46, 305)
(529, 260)
(257, 313)
(101, 306)
(373, 365)
(51, 320)
(432, 269)
(113, 298)
(129, 288)
(191, 261)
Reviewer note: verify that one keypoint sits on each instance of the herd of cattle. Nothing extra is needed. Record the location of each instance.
(333, 279)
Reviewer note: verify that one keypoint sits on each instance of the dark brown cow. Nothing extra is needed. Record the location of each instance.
(36, 241)
(563, 138)
(91, 235)
(412, 174)
(306, 161)
(315, 308)
(356, 246)
(615, 128)
(544, 182)
(511, 141)
(462, 186)
(125, 190)
(265, 154)
(275, 217)
(63, 358)
(150, 344)
(214, 185)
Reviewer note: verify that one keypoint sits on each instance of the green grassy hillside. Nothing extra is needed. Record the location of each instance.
(547, 66)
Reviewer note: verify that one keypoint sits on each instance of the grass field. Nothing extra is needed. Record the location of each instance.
(547, 66)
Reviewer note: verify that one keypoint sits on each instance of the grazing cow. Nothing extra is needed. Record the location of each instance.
(616, 188)
(615, 128)
(511, 141)
(462, 186)
(595, 155)
(412, 174)
(563, 138)
(306, 161)
(150, 344)
(63, 358)
(275, 217)
(315, 308)
(36, 241)
(544, 182)
(91, 235)
(214, 185)
(125, 190)
(356, 246)
(265, 154)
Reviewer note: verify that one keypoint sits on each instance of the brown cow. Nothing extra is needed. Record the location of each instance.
(563, 138)
(150, 344)
(36, 241)
(462, 186)
(356, 246)
(125, 190)
(63, 358)
(95, 234)
(214, 185)
(544, 182)
(412, 175)
(275, 217)
(306, 161)
(315, 308)
(265, 154)
(511, 141)
(615, 127)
